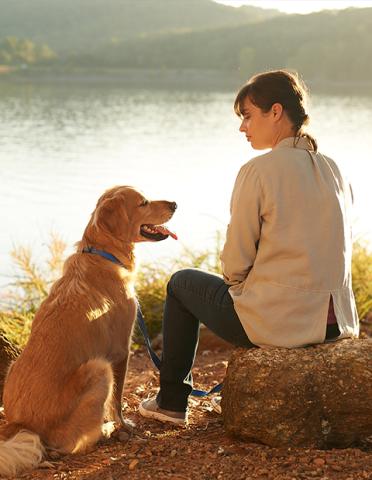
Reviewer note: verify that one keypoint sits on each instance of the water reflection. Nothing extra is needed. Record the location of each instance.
(61, 147)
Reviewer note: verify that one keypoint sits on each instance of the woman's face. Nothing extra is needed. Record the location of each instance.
(259, 127)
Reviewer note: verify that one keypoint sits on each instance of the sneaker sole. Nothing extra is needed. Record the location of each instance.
(160, 416)
(216, 405)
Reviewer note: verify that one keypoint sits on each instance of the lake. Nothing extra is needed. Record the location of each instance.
(61, 146)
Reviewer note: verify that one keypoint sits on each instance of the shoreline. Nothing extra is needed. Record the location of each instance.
(161, 78)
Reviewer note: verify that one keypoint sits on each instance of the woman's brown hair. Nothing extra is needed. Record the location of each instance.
(279, 86)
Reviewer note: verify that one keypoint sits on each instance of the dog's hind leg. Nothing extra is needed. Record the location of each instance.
(92, 384)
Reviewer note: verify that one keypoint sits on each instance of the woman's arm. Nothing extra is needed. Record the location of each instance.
(243, 231)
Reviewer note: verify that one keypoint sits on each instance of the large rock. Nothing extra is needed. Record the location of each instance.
(318, 396)
(7, 354)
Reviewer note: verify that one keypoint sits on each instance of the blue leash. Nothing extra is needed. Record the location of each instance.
(156, 360)
(142, 325)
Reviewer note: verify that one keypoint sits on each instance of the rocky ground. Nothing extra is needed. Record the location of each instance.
(202, 450)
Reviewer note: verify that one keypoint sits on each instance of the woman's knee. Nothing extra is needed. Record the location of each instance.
(180, 278)
(195, 282)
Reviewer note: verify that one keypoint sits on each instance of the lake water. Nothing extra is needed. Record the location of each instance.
(62, 146)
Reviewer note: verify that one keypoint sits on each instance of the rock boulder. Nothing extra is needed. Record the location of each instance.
(319, 396)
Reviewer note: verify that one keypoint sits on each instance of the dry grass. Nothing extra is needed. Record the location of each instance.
(31, 285)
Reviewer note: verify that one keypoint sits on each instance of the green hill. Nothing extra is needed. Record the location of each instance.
(328, 45)
(82, 26)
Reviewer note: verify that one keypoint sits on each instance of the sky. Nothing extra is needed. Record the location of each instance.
(299, 6)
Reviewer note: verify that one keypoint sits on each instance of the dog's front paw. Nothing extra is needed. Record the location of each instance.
(107, 429)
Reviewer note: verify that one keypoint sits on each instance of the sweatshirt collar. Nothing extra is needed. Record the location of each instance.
(302, 143)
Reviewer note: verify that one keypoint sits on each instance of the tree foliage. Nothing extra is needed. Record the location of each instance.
(16, 51)
(82, 26)
(188, 34)
(327, 46)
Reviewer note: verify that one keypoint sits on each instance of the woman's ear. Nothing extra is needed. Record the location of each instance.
(277, 111)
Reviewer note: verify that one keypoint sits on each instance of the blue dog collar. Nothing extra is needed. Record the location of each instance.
(103, 254)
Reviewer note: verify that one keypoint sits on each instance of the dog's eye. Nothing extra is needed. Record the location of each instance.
(144, 203)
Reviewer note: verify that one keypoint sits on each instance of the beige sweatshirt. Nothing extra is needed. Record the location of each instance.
(288, 247)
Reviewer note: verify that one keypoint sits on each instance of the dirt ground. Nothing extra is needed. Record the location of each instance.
(201, 450)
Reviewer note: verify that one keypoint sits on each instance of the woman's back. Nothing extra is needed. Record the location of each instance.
(299, 249)
(308, 224)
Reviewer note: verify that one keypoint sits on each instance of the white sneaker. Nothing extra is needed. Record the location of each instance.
(150, 409)
(216, 404)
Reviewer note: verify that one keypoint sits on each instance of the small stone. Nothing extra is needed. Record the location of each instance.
(319, 462)
(329, 459)
(173, 453)
(123, 436)
(336, 468)
(133, 464)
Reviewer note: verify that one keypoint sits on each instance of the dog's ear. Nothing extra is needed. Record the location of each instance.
(111, 215)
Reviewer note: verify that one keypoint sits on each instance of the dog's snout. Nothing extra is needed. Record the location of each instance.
(173, 206)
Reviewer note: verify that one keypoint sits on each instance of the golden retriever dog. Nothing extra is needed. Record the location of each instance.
(69, 378)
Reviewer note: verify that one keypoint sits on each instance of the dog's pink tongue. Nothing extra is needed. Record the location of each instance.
(165, 231)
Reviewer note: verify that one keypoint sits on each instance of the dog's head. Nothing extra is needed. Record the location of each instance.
(128, 216)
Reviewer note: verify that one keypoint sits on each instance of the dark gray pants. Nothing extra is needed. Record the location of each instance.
(194, 296)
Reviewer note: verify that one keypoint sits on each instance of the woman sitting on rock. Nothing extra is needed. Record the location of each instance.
(287, 258)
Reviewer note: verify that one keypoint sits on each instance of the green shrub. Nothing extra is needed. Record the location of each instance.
(29, 289)
(31, 286)
(362, 284)
(152, 282)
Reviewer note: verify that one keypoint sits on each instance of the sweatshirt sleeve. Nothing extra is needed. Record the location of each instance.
(243, 231)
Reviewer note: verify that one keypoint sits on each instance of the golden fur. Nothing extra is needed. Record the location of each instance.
(70, 375)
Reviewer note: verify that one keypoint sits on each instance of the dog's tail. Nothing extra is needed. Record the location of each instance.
(20, 450)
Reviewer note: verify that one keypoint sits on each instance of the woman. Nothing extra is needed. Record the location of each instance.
(287, 257)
